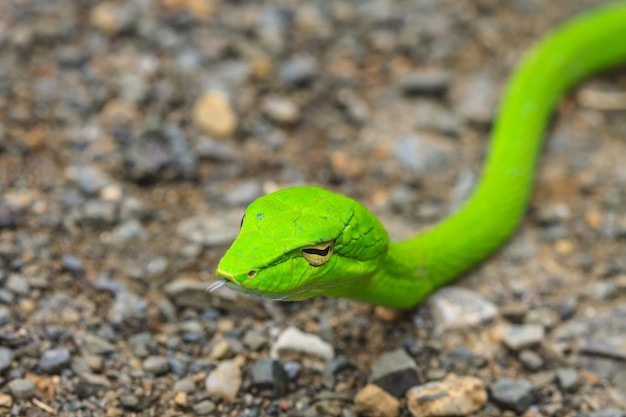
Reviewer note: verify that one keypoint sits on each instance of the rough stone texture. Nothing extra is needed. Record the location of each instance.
(373, 401)
(453, 396)
(293, 342)
(224, 381)
(455, 307)
(515, 395)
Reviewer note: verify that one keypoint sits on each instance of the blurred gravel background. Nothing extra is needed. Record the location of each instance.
(133, 133)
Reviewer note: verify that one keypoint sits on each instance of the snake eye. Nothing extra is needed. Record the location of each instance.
(319, 254)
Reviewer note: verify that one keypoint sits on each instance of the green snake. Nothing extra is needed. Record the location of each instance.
(303, 242)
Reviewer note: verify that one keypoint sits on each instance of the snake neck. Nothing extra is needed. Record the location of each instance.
(413, 268)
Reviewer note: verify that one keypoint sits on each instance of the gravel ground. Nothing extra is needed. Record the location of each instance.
(133, 133)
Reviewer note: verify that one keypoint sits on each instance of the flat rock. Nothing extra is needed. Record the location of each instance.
(456, 307)
(513, 394)
(269, 376)
(518, 337)
(453, 396)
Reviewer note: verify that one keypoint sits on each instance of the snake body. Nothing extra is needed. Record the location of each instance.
(302, 242)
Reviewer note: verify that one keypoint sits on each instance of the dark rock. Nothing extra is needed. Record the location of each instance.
(339, 364)
(53, 360)
(395, 372)
(513, 394)
(430, 82)
(269, 376)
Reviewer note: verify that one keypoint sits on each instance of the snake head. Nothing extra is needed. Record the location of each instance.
(302, 242)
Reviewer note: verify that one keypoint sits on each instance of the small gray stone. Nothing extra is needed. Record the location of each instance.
(99, 212)
(126, 232)
(95, 382)
(254, 339)
(269, 376)
(89, 179)
(185, 385)
(6, 359)
(299, 70)
(292, 369)
(143, 344)
(157, 365)
(73, 265)
(21, 388)
(97, 345)
(513, 394)
(17, 284)
(567, 378)
(5, 314)
(523, 336)
(423, 154)
(339, 364)
(127, 306)
(456, 307)
(204, 407)
(210, 231)
(531, 360)
(53, 360)
(395, 372)
(243, 193)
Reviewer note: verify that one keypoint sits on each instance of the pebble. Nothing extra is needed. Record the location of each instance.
(126, 306)
(225, 381)
(95, 382)
(308, 347)
(425, 82)
(210, 231)
(609, 412)
(159, 155)
(6, 359)
(518, 337)
(185, 292)
(453, 396)
(88, 178)
(143, 344)
(477, 99)
(97, 345)
(254, 340)
(299, 70)
(114, 17)
(395, 372)
(157, 365)
(243, 193)
(73, 265)
(513, 394)
(5, 312)
(269, 377)
(54, 360)
(204, 408)
(373, 401)
(214, 115)
(423, 154)
(568, 379)
(458, 308)
(281, 110)
(186, 385)
(17, 284)
(21, 388)
(531, 360)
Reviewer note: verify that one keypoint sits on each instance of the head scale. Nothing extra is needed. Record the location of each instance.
(299, 242)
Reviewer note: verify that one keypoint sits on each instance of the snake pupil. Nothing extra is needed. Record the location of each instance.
(318, 252)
